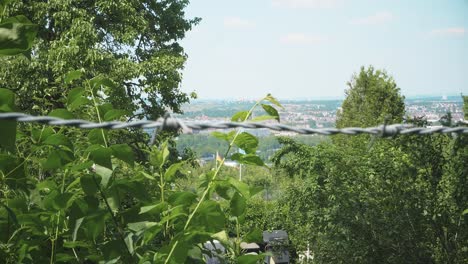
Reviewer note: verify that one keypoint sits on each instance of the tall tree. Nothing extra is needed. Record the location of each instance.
(372, 98)
(134, 43)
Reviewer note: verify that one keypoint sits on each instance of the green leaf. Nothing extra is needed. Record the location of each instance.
(272, 100)
(249, 159)
(250, 259)
(7, 100)
(241, 187)
(240, 116)
(59, 140)
(53, 161)
(238, 205)
(101, 156)
(171, 171)
(8, 127)
(104, 173)
(95, 224)
(72, 75)
(61, 113)
(98, 136)
(101, 81)
(220, 135)
(17, 35)
(123, 152)
(63, 201)
(77, 226)
(182, 198)
(114, 114)
(209, 217)
(254, 236)
(76, 98)
(39, 135)
(88, 184)
(156, 208)
(271, 111)
(247, 142)
(465, 212)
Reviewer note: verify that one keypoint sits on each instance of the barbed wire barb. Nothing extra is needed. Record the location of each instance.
(172, 123)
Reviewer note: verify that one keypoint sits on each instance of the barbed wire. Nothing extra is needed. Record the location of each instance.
(171, 123)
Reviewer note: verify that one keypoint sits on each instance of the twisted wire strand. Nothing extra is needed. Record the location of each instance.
(170, 123)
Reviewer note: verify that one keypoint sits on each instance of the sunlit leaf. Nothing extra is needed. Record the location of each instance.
(271, 111)
(240, 116)
(61, 113)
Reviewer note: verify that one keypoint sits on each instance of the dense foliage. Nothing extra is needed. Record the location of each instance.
(133, 43)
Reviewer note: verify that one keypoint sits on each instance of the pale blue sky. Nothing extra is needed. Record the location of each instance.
(310, 48)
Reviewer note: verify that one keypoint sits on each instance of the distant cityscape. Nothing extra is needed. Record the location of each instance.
(318, 113)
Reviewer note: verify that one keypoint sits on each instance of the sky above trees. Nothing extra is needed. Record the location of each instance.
(311, 48)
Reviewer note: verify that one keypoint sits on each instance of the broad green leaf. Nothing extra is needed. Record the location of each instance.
(247, 142)
(72, 75)
(8, 127)
(271, 111)
(104, 173)
(272, 100)
(465, 212)
(88, 184)
(17, 35)
(7, 100)
(240, 116)
(249, 159)
(53, 161)
(39, 135)
(101, 81)
(209, 217)
(82, 166)
(123, 152)
(59, 140)
(95, 224)
(156, 208)
(63, 201)
(254, 236)
(114, 114)
(101, 156)
(61, 113)
(220, 135)
(238, 205)
(104, 108)
(98, 136)
(182, 198)
(76, 98)
(171, 171)
(241, 187)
